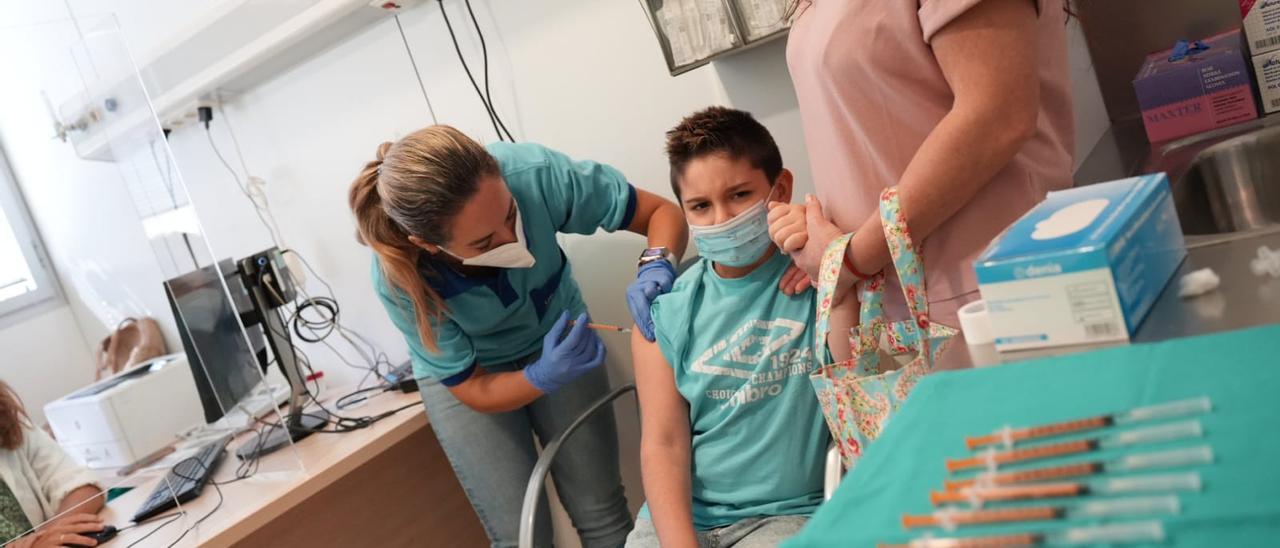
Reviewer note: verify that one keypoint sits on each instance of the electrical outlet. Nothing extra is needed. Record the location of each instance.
(186, 116)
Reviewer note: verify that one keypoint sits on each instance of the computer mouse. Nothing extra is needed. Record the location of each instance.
(107, 533)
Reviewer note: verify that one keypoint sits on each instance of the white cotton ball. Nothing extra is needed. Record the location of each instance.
(1198, 282)
(1267, 262)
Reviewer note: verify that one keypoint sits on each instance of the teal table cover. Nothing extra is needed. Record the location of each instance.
(1239, 505)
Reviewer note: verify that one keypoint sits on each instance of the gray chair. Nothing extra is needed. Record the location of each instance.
(529, 510)
(833, 473)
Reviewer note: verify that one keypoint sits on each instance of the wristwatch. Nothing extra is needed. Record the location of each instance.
(655, 254)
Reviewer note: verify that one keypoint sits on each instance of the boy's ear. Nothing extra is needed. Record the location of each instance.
(785, 186)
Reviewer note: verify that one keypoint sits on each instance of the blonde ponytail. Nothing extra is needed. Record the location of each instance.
(414, 188)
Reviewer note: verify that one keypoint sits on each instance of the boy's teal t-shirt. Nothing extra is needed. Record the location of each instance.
(742, 353)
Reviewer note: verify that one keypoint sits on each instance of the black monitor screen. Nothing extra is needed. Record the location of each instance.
(221, 360)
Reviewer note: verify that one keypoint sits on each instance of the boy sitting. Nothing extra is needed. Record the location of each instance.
(733, 440)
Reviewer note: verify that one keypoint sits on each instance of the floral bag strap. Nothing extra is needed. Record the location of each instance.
(871, 318)
(910, 268)
(828, 274)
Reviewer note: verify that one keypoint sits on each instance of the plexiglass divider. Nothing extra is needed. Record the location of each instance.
(211, 396)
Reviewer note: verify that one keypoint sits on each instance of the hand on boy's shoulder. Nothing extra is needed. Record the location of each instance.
(788, 228)
(794, 281)
(802, 231)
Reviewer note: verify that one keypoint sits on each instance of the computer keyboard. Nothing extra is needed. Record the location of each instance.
(185, 481)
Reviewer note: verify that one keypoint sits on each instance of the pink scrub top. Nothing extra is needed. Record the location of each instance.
(871, 91)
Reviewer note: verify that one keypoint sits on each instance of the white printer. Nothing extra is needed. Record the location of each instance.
(123, 418)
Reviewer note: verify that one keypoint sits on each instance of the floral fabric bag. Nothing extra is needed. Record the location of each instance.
(859, 395)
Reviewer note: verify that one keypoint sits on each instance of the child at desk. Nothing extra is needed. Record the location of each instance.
(733, 440)
(41, 486)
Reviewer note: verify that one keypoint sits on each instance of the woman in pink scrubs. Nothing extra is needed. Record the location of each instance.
(964, 105)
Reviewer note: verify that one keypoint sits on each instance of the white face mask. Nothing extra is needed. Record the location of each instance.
(513, 255)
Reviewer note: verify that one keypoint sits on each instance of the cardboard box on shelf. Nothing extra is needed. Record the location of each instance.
(1261, 24)
(1208, 87)
(1266, 67)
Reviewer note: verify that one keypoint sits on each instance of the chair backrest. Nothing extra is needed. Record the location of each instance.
(529, 510)
(687, 262)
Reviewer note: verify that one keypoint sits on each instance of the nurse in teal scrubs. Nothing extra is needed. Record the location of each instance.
(468, 268)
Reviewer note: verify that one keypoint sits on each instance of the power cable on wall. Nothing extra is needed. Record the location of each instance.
(244, 189)
(235, 143)
(319, 326)
(484, 52)
(416, 73)
(494, 119)
(255, 192)
(166, 175)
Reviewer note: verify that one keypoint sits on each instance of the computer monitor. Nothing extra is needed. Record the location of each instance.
(222, 360)
(270, 287)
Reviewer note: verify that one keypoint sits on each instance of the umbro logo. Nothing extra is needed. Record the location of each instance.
(740, 354)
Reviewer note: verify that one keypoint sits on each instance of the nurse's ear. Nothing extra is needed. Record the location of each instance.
(783, 187)
(425, 245)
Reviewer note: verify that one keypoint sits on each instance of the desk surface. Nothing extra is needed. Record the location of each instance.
(286, 479)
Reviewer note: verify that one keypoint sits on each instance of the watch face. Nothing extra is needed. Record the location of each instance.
(653, 252)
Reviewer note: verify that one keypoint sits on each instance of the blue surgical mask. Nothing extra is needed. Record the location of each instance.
(739, 241)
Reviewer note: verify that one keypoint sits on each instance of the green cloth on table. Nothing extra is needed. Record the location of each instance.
(1238, 506)
(13, 521)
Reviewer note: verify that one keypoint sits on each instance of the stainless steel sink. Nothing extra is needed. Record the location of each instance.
(1225, 181)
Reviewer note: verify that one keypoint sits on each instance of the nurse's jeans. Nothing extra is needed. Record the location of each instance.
(493, 456)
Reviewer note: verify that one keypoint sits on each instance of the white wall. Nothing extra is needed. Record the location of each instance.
(80, 211)
(588, 80)
(44, 358)
(1090, 112)
(308, 132)
(585, 77)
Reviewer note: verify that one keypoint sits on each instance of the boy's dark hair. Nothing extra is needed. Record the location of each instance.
(721, 130)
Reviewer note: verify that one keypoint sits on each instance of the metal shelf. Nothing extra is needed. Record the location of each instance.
(738, 38)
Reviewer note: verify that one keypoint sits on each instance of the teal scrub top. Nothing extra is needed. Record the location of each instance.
(503, 318)
(741, 353)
